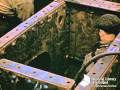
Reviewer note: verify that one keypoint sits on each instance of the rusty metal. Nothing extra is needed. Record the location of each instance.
(11, 36)
(15, 33)
(47, 12)
(24, 71)
(106, 5)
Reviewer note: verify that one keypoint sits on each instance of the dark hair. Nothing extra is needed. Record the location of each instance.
(109, 23)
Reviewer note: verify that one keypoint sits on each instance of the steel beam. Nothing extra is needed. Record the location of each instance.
(62, 83)
(102, 4)
(27, 25)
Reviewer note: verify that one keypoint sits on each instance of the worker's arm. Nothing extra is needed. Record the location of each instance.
(24, 8)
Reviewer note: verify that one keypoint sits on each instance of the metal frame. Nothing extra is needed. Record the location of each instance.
(18, 31)
(67, 83)
(105, 64)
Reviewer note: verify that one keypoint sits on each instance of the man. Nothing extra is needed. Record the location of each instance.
(108, 27)
(13, 12)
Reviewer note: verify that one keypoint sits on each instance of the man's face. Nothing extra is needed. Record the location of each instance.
(106, 37)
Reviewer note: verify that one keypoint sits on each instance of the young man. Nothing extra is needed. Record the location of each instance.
(108, 26)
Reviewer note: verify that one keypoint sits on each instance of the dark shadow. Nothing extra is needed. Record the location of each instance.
(41, 62)
(39, 4)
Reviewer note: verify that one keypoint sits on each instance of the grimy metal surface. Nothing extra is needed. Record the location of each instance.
(18, 31)
(43, 32)
(11, 37)
(104, 65)
(62, 83)
(103, 4)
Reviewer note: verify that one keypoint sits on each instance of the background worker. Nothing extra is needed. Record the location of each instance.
(108, 26)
